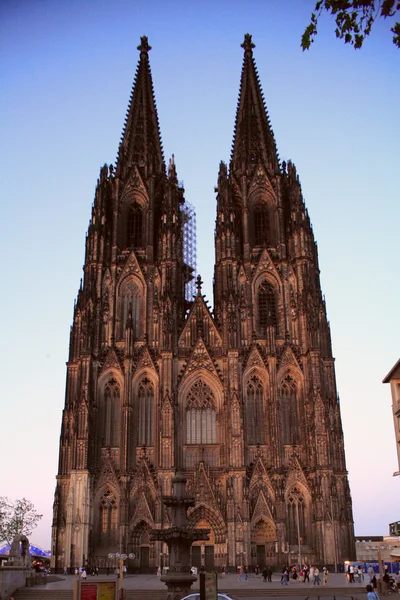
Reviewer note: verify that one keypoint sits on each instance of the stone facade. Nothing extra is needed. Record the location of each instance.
(242, 398)
(393, 377)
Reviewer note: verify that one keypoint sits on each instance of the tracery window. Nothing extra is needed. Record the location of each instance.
(130, 306)
(134, 226)
(108, 518)
(255, 415)
(110, 414)
(200, 415)
(289, 411)
(266, 307)
(146, 413)
(296, 517)
(261, 224)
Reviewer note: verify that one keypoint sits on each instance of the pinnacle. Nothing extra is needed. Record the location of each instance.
(141, 139)
(253, 140)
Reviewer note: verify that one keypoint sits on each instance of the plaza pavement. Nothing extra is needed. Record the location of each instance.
(338, 585)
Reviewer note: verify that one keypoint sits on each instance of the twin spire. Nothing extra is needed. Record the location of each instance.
(141, 140)
(253, 141)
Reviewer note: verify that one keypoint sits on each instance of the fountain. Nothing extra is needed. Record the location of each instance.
(179, 539)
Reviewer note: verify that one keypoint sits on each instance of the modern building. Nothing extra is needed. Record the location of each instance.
(393, 377)
(242, 399)
(384, 547)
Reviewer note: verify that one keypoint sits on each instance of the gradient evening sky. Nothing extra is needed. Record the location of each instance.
(66, 71)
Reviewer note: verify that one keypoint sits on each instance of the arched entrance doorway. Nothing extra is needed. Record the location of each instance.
(203, 551)
(142, 547)
(263, 543)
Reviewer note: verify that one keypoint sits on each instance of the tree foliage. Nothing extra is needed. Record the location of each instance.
(354, 19)
(17, 517)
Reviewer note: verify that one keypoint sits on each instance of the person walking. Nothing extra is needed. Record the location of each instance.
(370, 572)
(269, 574)
(316, 576)
(325, 575)
(311, 574)
(265, 574)
(371, 593)
(306, 571)
(285, 576)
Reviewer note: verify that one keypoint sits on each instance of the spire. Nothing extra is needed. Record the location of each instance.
(253, 141)
(141, 140)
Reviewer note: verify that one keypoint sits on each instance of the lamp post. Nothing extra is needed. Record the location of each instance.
(380, 561)
(297, 497)
(331, 519)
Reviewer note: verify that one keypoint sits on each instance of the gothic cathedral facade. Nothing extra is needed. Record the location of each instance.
(242, 398)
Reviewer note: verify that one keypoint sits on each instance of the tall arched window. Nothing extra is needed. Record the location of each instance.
(146, 413)
(289, 411)
(110, 414)
(266, 307)
(134, 226)
(200, 415)
(261, 224)
(108, 518)
(296, 517)
(130, 306)
(255, 415)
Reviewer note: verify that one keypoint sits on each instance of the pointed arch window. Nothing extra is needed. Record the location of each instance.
(262, 232)
(130, 308)
(266, 307)
(134, 225)
(146, 413)
(289, 411)
(255, 411)
(110, 414)
(108, 518)
(200, 415)
(296, 517)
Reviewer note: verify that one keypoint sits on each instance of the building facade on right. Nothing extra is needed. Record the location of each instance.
(393, 377)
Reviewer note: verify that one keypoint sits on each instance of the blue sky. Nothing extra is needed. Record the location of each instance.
(66, 72)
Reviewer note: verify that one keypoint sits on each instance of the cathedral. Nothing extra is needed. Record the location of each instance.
(241, 398)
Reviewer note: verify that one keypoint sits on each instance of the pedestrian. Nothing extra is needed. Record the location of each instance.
(76, 573)
(316, 576)
(351, 572)
(294, 574)
(285, 576)
(239, 573)
(371, 593)
(374, 582)
(370, 572)
(246, 573)
(265, 574)
(386, 580)
(84, 574)
(311, 574)
(269, 574)
(325, 575)
(257, 571)
(306, 574)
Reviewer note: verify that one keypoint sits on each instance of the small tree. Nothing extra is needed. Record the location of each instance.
(17, 517)
(354, 20)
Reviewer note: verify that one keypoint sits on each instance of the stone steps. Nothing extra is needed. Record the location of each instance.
(242, 592)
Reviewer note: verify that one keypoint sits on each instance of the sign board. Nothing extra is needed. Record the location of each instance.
(208, 586)
(101, 589)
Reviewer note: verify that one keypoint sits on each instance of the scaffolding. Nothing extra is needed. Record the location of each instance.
(189, 249)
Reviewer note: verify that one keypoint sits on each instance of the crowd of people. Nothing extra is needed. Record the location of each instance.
(305, 574)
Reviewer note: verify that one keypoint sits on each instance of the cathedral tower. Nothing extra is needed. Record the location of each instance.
(243, 399)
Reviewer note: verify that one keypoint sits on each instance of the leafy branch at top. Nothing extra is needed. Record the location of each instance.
(354, 20)
(17, 517)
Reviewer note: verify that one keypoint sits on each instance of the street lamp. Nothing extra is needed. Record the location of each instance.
(296, 496)
(330, 517)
